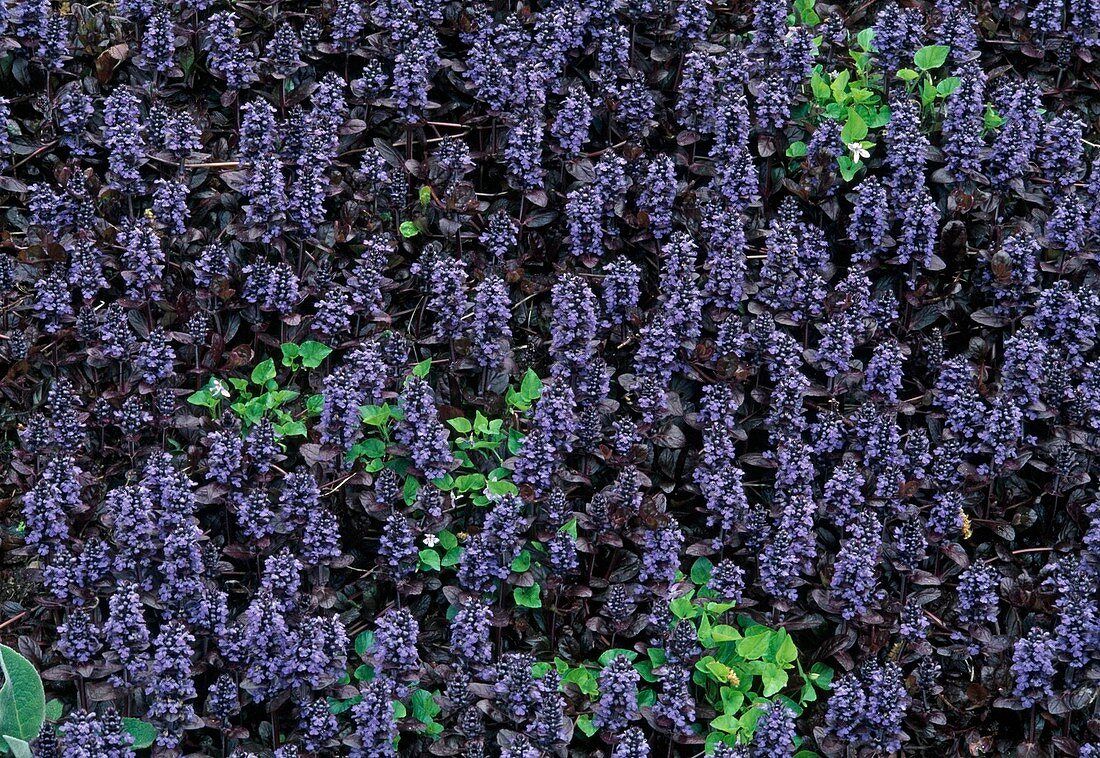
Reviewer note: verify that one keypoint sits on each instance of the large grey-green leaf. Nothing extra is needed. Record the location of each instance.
(22, 699)
(19, 748)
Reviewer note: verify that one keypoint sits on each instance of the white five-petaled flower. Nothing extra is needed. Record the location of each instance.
(858, 151)
(431, 540)
(218, 388)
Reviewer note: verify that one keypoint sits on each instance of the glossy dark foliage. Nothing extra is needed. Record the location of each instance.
(411, 371)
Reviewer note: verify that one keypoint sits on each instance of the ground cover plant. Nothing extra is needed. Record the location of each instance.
(620, 378)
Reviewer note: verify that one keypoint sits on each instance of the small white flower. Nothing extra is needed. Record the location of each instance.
(431, 540)
(218, 388)
(858, 151)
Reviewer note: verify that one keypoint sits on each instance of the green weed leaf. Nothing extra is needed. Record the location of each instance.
(144, 734)
(314, 353)
(931, 56)
(461, 425)
(264, 372)
(527, 597)
(855, 128)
